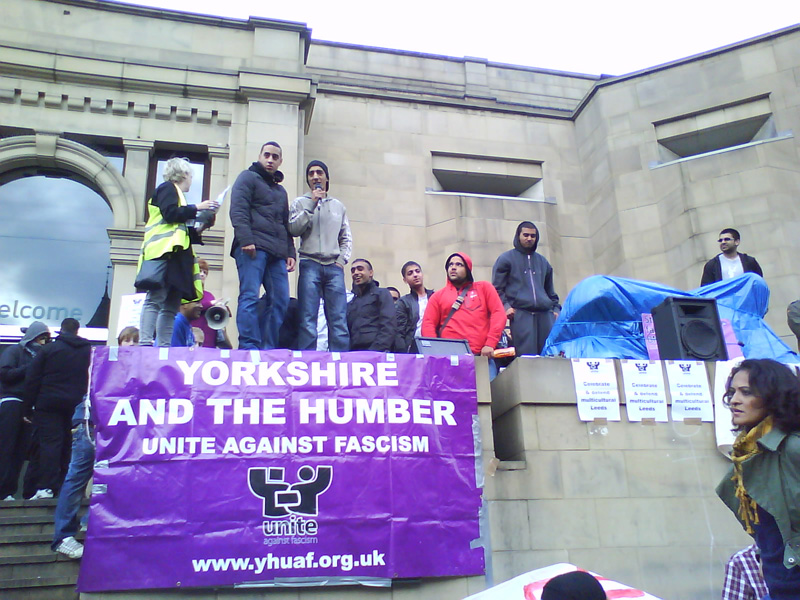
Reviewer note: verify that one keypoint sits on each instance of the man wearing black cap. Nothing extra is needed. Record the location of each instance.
(325, 246)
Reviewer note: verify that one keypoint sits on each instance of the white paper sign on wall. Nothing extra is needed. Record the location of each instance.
(645, 391)
(688, 385)
(130, 310)
(596, 388)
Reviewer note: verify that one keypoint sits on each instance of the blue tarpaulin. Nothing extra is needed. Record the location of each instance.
(602, 317)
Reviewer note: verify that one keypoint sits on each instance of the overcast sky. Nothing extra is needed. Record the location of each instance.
(614, 37)
(60, 255)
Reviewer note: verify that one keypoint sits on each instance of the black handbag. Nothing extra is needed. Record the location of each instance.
(152, 274)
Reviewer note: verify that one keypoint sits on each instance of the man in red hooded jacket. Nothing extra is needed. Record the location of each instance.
(480, 316)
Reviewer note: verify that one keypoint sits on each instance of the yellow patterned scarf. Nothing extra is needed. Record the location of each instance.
(744, 447)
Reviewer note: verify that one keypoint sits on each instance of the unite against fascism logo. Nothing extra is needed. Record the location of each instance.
(287, 504)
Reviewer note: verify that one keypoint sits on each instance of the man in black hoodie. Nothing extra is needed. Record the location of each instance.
(14, 434)
(262, 247)
(371, 313)
(524, 280)
(57, 382)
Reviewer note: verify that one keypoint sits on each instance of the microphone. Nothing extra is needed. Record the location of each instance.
(317, 186)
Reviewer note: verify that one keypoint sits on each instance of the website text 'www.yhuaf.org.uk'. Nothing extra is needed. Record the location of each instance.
(271, 562)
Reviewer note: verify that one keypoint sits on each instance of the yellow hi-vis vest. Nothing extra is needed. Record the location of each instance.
(161, 238)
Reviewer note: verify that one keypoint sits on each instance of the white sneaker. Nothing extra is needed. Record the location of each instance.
(42, 494)
(9, 498)
(70, 547)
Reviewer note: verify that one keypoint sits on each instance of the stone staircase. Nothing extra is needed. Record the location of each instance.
(28, 568)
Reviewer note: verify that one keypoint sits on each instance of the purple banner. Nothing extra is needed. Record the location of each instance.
(264, 466)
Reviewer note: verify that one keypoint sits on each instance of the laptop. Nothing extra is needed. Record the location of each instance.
(441, 346)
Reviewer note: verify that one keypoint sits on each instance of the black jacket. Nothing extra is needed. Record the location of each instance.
(260, 213)
(407, 315)
(371, 318)
(58, 377)
(180, 265)
(524, 278)
(14, 364)
(713, 270)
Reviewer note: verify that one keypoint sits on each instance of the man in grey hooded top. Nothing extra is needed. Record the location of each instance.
(524, 280)
(326, 242)
(14, 364)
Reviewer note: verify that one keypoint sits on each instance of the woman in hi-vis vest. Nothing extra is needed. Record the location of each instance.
(168, 239)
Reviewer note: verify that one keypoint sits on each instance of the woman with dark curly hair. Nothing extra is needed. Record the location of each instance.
(762, 487)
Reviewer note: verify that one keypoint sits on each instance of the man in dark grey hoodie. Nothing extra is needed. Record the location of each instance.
(524, 280)
(14, 365)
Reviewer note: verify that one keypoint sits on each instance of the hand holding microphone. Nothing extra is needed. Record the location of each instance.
(317, 194)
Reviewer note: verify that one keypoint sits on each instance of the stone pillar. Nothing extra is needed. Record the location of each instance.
(126, 246)
(218, 157)
(137, 164)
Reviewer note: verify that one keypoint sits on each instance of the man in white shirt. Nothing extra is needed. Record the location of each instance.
(410, 308)
(730, 262)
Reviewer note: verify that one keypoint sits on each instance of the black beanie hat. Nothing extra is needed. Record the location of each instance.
(578, 585)
(319, 163)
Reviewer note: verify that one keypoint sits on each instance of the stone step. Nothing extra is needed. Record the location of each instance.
(32, 566)
(29, 570)
(28, 507)
(25, 544)
(21, 523)
(39, 588)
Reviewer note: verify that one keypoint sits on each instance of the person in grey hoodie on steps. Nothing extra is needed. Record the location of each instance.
(524, 280)
(14, 431)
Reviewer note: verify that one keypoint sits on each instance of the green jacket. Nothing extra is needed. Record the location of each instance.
(772, 479)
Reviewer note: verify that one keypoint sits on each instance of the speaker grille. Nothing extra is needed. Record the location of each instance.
(699, 339)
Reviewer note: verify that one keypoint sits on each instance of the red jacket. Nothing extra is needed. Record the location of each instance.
(480, 320)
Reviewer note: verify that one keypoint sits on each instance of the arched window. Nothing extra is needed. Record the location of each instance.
(55, 250)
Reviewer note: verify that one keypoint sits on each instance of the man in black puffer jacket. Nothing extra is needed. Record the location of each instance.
(262, 247)
(57, 381)
(371, 313)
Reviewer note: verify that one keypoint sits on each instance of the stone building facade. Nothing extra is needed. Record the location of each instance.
(631, 176)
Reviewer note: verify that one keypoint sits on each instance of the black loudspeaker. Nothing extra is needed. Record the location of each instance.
(689, 329)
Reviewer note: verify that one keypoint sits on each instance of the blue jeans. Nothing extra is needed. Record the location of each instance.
(78, 475)
(270, 272)
(327, 282)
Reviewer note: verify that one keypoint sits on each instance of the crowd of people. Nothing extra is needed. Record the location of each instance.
(763, 488)
(43, 419)
(520, 300)
(43, 383)
(368, 317)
